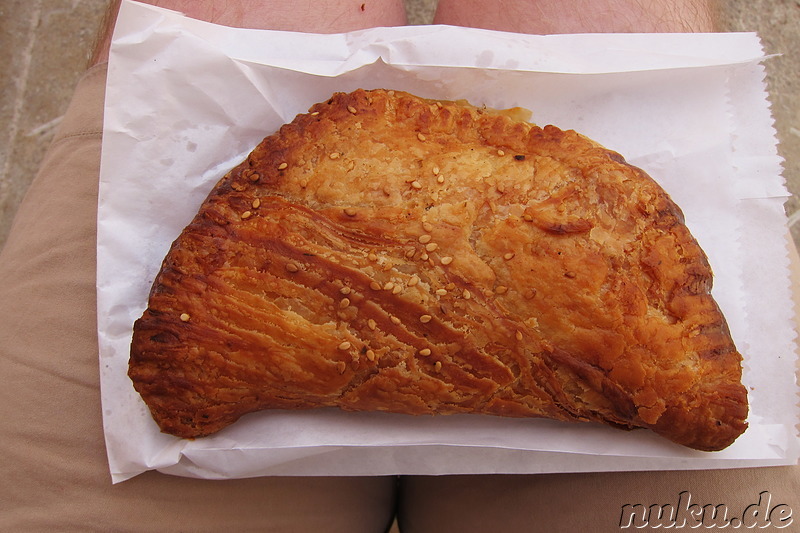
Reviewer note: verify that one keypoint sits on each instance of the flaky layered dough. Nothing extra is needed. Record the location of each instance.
(386, 252)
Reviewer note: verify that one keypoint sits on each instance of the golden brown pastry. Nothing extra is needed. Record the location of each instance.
(386, 252)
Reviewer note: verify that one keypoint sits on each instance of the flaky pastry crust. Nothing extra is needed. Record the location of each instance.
(387, 252)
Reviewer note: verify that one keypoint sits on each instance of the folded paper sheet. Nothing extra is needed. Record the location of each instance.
(187, 100)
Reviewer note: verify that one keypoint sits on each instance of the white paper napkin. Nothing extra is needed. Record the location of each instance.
(187, 100)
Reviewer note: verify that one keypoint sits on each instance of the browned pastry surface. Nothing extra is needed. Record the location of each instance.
(386, 252)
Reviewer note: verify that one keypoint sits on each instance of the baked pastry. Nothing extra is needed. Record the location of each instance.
(388, 252)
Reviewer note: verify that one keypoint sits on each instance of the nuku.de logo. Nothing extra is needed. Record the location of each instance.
(685, 514)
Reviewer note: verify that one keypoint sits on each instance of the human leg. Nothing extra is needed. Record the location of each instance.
(579, 16)
(54, 470)
(582, 502)
(315, 16)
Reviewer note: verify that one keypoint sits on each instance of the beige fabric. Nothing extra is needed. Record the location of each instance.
(54, 472)
(53, 469)
(552, 503)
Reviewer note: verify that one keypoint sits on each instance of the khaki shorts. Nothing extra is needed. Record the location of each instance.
(53, 471)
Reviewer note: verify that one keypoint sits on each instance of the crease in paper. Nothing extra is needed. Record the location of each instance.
(761, 200)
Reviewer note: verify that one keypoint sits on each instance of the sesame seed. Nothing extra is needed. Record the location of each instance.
(438, 366)
(236, 186)
(410, 253)
(413, 281)
(427, 226)
(291, 267)
(424, 256)
(441, 292)
(425, 319)
(530, 293)
(440, 179)
(345, 302)
(351, 109)
(439, 105)
(425, 352)
(390, 93)
(424, 239)
(349, 211)
(501, 289)
(450, 286)
(246, 215)
(345, 290)
(518, 335)
(283, 166)
(509, 255)
(371, 324)
(334, 155)
(527, 218)
(431, 246)
(435, 171)
(341, 366)
(395, 320)
(375, 286)
(315, 113)
(397, 289)
(372, 257)
(421, 137)
(185, 317)
(370, 355)
(570, 274)
(446, 260)
(303, 183)
(388, 286)
(501, 153)
(466, 294)
(256, 203)
(345, 345)
(254, 177)
(415, 184)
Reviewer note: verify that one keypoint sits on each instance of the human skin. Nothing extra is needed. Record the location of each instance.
(521, 16)
(580, 16)
(313, 16)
